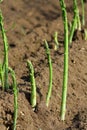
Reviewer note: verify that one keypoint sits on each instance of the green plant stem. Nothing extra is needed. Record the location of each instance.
(5, 64)
(85, 34)
(56, 41)
(15, 91)
(1, 76)
(74, 23)
(33, 84)
(78, 20)
(65, 75)
(83, 13)
(50, 74)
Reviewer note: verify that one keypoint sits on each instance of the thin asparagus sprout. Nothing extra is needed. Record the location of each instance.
(65, 75)
(33, 84)
(85, 34)
(1, 76)
(56, 41)
(5, 64)
(50, 74)
(74, 22)
(78, 20)
(83, 13)
(15, 91)
(0, 72)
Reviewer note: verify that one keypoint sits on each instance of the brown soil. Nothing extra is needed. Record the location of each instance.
(28, 23)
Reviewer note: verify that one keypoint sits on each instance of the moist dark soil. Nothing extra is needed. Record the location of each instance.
(28, 23)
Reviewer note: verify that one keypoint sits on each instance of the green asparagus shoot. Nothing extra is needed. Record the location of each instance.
(65, 75)
(15, 91)
(33, 84)
(85, 34)
(5, 63)
(83, 13)
(78, 20)
(1, 76)
(56, 41)
(50, 74)
(74, 22)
